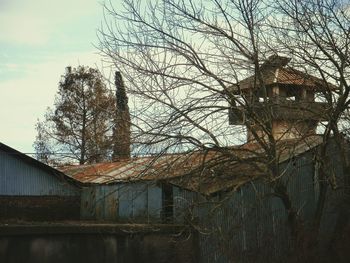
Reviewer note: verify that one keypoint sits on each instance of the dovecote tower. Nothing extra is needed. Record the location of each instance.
(282, 96)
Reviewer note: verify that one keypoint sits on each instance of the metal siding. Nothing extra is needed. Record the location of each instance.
(125, 202)
(234, 225)
(337, 195)
(238, 226)
(154, 199)
(307, 183)
(183, 203)
(111, 202)
(88, 203)
(100, 202)
(264, 220)
(207, 237)
(330, 216)
(279, 227)
(250, 222)
(224, 227)
(249, 212)
(178, 205)
(300, 184)
(335, 168)
(140, 202)
(225, 231)
(242, 226)
(20, 178)
(191, 206)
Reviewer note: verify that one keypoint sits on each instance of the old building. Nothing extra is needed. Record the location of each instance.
(224, 199)
(235, 210)
(41, 219)
(226, 195)
(31, 190)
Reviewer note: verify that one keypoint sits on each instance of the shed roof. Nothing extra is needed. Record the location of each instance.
(31, 161)
(203, 171)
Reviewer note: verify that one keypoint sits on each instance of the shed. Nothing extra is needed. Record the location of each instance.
(131, 190)
(236, 212)
(31, 190)
(163, 188)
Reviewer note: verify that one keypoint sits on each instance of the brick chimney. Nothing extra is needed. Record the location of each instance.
(121, 131)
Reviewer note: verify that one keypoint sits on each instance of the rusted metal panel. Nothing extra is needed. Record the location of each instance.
(18, 177)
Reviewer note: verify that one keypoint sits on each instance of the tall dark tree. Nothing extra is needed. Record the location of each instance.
(80, 125)
(121, 131)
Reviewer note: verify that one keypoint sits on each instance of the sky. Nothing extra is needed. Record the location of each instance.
(38, 39)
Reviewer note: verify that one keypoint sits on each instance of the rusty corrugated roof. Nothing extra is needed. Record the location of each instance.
(206, 172)
(139, 168)
(276, 72)
(285, 76)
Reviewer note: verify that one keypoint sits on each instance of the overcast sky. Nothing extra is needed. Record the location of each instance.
(38, 39)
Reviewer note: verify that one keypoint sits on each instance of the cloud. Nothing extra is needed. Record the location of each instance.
(19, 30)
(34, 22)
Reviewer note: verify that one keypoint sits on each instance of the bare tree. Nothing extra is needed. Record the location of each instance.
(183, 57)
(317, 34)
(184, 62)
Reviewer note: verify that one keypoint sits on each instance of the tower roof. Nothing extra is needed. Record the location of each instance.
(275, 71)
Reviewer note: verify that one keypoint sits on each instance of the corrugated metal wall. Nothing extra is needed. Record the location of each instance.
(124, 202)
(20, 178)
(250, 225)
(184, 203)
(142, 202)
(238, 225)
